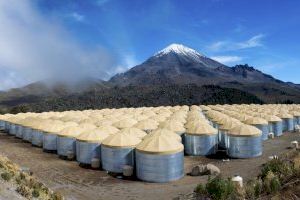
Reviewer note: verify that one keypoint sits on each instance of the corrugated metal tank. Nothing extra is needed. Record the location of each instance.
(261, 124)
(50, 132)
(27, 134)
(147, 125)
(244, 141)
(223, 131)
(287, 122)
(66, 139)
(88, 145)
(275, 125)
(201, 139)
(159, 159)
(296, 115)
(118, 150)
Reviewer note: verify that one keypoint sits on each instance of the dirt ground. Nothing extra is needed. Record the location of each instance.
(75, 182)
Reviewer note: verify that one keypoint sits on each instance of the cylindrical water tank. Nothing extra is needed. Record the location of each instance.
(159, 159)
(66, 139)
(244, 141)
(118, 150)
(296, 115)
(201, 139)
(50, 135)
(287, 121)
(275, 125)
(88, 145)
(223, 131)
(261, 124)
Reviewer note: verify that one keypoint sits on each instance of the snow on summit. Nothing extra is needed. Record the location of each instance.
(181, 50)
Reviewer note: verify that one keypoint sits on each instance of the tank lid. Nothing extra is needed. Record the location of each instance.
(172, 125)
(147, 124)
(109, 129)
(134, 131)
(71, 131)
(125, 123)
(201, 129)
(230, 124)
(94, 136)
(160, 144)
(121, 140)
(272, 118)
(256, 121)
(245, 130)
(163, 131)
(285, 115)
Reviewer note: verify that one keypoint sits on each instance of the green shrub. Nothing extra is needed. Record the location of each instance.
(253, 189)
(271, 183)
(24, 191)
(56, 196)
(6, 176)
(219, 188)
(278, 167)
(200, 189)
(35, 193)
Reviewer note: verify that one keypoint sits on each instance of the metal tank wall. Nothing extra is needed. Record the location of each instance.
(288, 124)
(276, 128)
(66, 145)
(159, 168)
(222, 138)
(37, 138)
(244, 147)
(113, 159)
(49, 142)
(200, 145)
(12, 129)
(86, 151)
(19, 131)
(296, 120)
(27, 134)
(264, 130)
(2, 125)
(6, 127)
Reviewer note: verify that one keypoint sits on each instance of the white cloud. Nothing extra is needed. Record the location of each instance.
(78, 17)
(227, 59)
(255, 41)
(35, 48)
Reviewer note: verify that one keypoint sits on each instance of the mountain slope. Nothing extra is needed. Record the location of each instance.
(177, 64)
(174, 75)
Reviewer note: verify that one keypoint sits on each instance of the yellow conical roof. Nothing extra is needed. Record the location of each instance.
(245, 130)
(272, 118)
(256, 121)
(121, 140)
(95, 136)
(147, 124)
(71, 131)
(125, 123)
(172, 125)
(201, 129)
(285, 115)
(87, 126)
(229, 124)
(163, 131)
(109, 129)
(160, 144)
(134, 131)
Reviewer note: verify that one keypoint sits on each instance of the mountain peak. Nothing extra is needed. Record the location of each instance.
(181, 50)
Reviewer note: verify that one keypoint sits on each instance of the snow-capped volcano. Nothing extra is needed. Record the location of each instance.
(180, 50)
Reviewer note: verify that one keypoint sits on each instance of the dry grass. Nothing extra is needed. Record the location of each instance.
(26, 184)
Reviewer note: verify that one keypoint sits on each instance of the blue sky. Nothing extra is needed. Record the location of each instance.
(103, 37)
